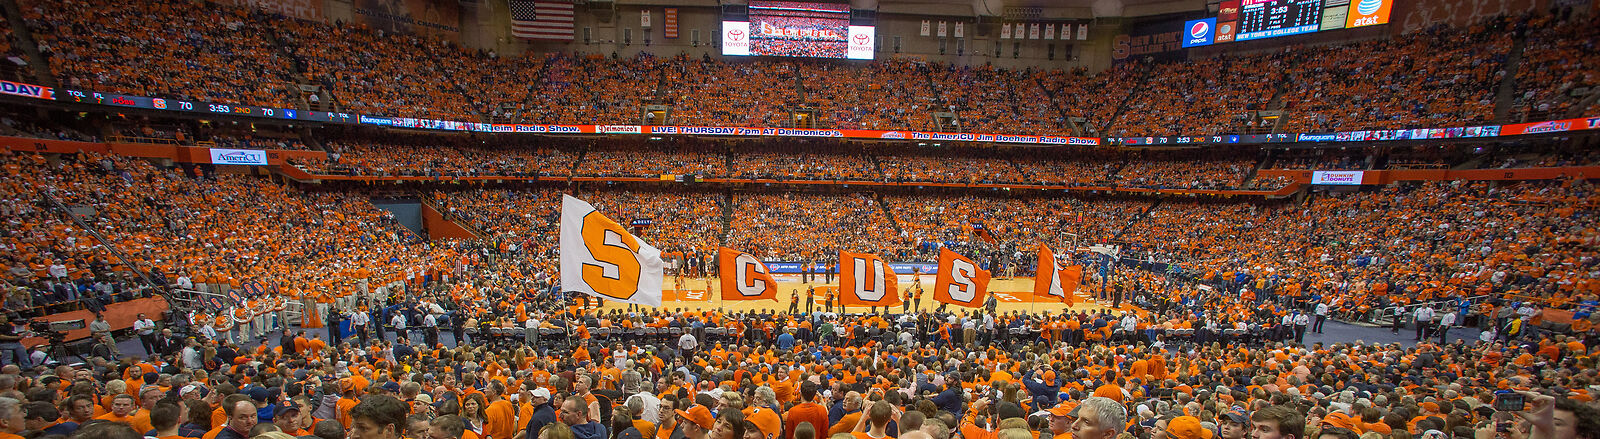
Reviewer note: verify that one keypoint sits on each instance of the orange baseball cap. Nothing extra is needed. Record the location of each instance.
(1341, 420)
(1066, 408)
(1187, 427)
(698, 415)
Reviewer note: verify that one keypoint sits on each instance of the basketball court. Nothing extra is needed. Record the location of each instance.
(1014, 294)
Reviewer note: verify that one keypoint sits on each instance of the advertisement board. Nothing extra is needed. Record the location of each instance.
(162, 104)
(1343, 178)
(736, 38)
(1368, 13)
(248, 157)
(862, 41)
(1199, 32)
(26, 90)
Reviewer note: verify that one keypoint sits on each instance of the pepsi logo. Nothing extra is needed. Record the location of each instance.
(735, 35)
(1199, 29)
(1369, 7)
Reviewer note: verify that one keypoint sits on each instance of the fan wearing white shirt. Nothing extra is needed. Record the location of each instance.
(358, 323)
(1445, 323)
(146, 329)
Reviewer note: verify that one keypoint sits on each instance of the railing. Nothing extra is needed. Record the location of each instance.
(148, 140)
(126, 262)
(1441, 304)
(196, 299)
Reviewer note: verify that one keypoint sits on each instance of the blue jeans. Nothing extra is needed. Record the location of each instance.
(18, 354)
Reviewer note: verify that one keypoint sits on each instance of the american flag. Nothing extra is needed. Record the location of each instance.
(541, 20)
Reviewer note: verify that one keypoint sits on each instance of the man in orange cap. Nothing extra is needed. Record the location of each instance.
(1061, 418)
(1339, 419)
(696, 421)
(1187, 427)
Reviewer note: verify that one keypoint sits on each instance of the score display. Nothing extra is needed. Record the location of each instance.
(797, 29)
(1276, 18)
(1245, 20)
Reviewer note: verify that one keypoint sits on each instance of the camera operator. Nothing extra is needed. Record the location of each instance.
(11, 343)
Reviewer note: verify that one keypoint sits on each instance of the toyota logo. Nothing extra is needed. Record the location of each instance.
(735, 35)
(861, 38)
(1199, 29)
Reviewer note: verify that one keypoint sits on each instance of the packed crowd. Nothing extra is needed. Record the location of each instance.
(1437, 77)
(814, 160)
(798, 226)
(167, 48)
(935, 375)
(1202, 96)
(986, 225)
(1439, 241)
(355, 153)
(1263, 263)
(1555, 63)
(650, 159)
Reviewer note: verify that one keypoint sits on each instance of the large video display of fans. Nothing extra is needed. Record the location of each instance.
(798, 29)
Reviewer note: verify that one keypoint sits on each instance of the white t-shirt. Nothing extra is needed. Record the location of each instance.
(144, 327)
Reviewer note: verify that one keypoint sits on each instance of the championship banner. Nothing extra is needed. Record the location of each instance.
(960, 281)
(864, 280)
(670, 30)
(600, 258)
(1048, 281)
(749, 279)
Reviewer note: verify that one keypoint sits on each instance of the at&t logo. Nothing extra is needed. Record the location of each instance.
(1369, 7)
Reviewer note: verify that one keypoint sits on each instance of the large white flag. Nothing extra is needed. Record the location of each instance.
(600, 258)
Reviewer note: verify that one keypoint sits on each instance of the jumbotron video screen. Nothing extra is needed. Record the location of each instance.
(797, 29)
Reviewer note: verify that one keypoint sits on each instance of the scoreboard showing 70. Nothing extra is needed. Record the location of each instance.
(1276, 18)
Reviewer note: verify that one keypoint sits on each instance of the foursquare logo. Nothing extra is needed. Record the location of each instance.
(1199, 32)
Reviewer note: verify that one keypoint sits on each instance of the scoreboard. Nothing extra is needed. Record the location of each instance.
(1276, 18)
